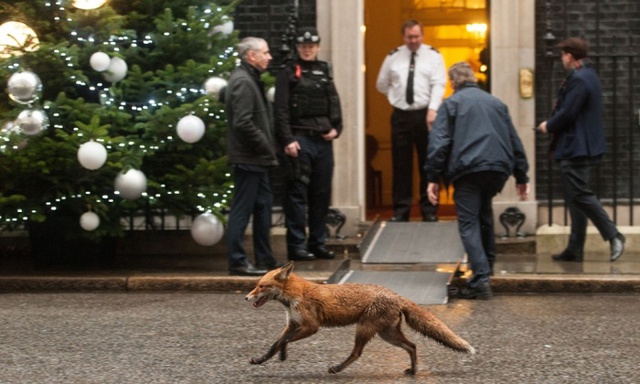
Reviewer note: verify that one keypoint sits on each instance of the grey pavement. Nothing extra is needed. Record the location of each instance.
(177, 263)
(207, 337)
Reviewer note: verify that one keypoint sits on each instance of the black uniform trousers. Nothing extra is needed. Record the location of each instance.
(408, 134)
(583, 204)
(473, 194)
(252, 196)
(308, 192)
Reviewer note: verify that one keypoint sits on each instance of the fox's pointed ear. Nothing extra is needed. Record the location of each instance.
(285, 271)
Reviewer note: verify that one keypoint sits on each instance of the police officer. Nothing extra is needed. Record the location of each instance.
(308, 118)
(413, 77)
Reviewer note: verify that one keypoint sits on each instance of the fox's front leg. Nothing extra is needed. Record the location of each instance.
(297, 333)
(279, 345)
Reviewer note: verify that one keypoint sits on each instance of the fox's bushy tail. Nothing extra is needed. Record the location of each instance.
(424, 322)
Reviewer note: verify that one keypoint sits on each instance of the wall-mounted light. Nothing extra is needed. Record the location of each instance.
(88, 4)
(479, 30)
(13, 35)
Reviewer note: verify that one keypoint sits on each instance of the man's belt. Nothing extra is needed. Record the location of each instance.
(307, 132)
(421, 110)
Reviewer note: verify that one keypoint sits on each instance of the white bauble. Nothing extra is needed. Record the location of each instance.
(100, 61)
(225, 28)
(89, 221)
(190, 129)
(92, 155)
(207, 229)
(271, 94)
(32, 121)
(131, 184)
(213, 85)
(88, 4)
(24, 87)
(116, 71)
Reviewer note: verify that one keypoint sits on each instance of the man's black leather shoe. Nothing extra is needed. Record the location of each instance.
(482, 292)
(322, 253)
(301, 255)
(617, 246)
(567, 255)
(398, 219)
(246, 270)
(270, 267)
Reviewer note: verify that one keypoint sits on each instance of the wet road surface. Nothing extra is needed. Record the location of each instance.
(186, 337)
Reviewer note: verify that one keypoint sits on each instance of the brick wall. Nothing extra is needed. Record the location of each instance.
(269, 19)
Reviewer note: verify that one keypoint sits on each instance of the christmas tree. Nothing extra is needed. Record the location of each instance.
(111, 111)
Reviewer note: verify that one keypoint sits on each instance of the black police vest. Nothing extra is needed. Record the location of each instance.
(310, 94)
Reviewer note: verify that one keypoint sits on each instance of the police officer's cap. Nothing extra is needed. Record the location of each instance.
(307, 35)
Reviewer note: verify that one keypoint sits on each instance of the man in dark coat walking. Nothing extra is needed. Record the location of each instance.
(578, 143)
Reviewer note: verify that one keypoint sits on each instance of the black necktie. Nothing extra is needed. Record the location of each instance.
(409, 95)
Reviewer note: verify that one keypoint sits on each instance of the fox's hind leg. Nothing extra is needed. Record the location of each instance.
(394, 336)
(363, 335)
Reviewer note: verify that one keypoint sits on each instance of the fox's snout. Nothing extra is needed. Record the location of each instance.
(257, 298)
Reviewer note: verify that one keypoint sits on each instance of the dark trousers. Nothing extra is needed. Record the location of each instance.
(583, 204)
(473, 194)
(308, 193)
(408, 134)
(252, 196)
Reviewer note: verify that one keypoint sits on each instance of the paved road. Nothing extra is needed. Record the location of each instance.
(210, 337)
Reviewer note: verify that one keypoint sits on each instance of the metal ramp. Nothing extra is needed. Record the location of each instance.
(414, 259)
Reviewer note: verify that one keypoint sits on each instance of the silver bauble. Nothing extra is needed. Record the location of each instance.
(32, 121)
(24, 87)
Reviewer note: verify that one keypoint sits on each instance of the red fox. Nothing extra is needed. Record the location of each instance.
(373, 308)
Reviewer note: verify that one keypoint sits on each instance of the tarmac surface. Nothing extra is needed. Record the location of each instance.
(168, 318)
(208, 337)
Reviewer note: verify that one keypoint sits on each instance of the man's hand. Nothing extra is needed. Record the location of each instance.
(431, 117)
(523, 191)
(292, 149)
(330, 135)
(542, 128)
(433, 193)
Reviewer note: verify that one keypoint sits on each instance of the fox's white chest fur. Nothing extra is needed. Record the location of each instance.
(293, 314)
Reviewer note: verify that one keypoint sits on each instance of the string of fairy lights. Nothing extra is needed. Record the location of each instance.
(107, 98)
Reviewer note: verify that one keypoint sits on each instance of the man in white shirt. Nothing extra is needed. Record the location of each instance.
(413, 77)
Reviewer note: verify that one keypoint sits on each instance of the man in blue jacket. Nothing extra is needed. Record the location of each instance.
(578, 144)
(474, 145)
